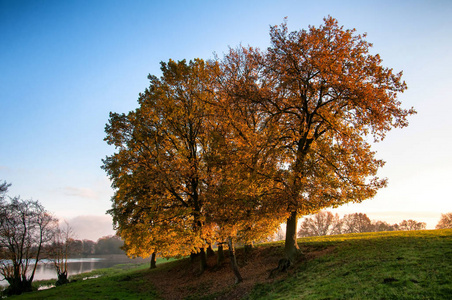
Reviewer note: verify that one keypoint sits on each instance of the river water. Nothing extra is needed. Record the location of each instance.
(46, 270)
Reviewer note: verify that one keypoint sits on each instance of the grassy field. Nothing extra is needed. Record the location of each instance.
(386, 265)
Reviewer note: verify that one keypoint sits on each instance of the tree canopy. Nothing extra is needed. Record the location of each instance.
(225, 150)
(159, 172)
(181, 184)
(325, 95)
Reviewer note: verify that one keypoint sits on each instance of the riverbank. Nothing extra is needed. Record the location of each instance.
(383, 265)
(81, 264)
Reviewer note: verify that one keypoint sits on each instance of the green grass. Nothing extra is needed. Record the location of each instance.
(386, 265)
(119, 282)
(122, 281)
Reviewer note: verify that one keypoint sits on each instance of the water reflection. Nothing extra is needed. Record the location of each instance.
(46, 269)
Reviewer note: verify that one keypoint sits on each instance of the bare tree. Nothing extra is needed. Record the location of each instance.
(382, 226)
(411, 225)
(3, 189)
(357, 222)
(445, 221)
(279, 235)
(322, 223)
(59, 251)
(25, 227)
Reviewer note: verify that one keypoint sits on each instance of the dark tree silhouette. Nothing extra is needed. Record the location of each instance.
(25, 227)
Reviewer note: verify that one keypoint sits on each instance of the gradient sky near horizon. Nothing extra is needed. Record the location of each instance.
(64, 65)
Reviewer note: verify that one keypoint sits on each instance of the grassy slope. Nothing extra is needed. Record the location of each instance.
(387, 265)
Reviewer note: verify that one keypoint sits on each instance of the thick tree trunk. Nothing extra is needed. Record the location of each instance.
(62, 279)
(18, 286)
(235, 268)
(220, 254)
(193, 257)
(291, 245)
(203, 260)
(153, 262)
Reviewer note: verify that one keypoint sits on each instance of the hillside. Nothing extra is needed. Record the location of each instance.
(384, 265)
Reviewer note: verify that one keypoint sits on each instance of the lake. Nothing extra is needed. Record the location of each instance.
(46, 270)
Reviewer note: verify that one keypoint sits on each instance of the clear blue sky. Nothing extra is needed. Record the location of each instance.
(64, 65)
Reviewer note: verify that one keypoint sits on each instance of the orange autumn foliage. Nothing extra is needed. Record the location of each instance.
(323, 95)
(226, 150)
(175, 172)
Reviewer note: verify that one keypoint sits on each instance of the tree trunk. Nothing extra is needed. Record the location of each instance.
(193, 257)
(220, 254)
(235, 268)
(203, 260)
(291, 245)
(153, 262)
(248, 248)
(18, 286)
(62, 279)
(210, 251)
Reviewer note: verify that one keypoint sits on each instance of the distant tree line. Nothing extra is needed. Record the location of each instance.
(325, 223)
(105, 245)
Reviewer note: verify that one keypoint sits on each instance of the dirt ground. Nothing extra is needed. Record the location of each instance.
(185, 280)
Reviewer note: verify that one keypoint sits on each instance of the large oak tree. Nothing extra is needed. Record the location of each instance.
(326, 96)
(185, 175)
(220, 151)
(159, 171)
